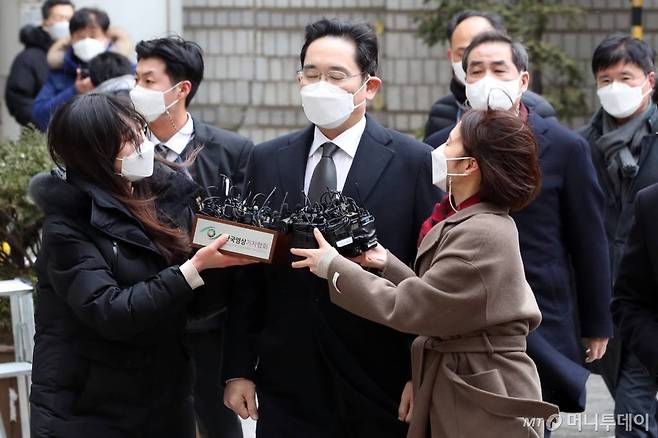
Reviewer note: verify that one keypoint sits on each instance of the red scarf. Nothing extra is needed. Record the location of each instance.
(443, 210)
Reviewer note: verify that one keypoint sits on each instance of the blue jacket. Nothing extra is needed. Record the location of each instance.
(58, 89)
(565, 253)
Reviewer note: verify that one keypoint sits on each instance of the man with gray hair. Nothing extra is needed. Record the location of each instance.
(561, 233)
(460, 31)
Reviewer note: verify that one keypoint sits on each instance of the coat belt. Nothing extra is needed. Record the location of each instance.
(478, 344)
(425, 372)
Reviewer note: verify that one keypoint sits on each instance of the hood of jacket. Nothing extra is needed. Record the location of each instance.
(54, 195)
(34, 36)
(61, 52)
(121, 83)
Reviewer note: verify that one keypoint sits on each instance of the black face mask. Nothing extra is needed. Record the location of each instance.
(458, 90)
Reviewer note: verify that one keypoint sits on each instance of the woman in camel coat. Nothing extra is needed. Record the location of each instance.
(467, 297)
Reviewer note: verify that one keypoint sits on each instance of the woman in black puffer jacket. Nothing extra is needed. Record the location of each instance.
(114, 280)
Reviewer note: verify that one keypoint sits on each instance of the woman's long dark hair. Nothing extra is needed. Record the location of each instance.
(85, 136)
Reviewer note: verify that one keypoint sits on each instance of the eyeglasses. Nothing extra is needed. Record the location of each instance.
(332, 76)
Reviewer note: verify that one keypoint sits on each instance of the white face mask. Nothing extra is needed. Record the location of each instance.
(621, 100)
(139, 164)
(492, 93)
(460, 74)
(327, 105)
(440, 176)
(151, 103)
(87, 48)
(58, 30)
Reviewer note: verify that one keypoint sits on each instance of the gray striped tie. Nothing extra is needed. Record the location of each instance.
(324, 174)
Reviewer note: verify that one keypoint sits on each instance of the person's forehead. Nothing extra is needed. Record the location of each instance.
(92, 29)
(491, 52)
(331, 51)
(61, 10)
(468, 29)
(620, 68)
(151, 66)
(455, 133)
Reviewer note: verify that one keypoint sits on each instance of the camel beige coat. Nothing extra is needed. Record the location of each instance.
(469, 301)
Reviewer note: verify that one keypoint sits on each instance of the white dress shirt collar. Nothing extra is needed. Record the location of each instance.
(348, 141)
(180, 139)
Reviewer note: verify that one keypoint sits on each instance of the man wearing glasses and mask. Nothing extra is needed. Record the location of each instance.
(318, 370)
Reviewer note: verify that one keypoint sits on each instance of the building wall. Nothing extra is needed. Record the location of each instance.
(252, 49)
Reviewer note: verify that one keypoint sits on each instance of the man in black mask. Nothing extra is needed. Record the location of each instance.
(462, 28)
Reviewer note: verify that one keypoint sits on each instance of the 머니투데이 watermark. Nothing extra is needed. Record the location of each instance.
(596, 422)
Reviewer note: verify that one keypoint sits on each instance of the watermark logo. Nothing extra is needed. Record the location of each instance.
(595, 422)
(554, 422)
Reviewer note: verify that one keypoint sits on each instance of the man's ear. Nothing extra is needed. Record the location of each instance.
(651, 77)
(372, 87)
(525, 82)
(184, 89)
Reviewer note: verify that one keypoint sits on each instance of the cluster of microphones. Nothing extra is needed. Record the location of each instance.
(347, 226)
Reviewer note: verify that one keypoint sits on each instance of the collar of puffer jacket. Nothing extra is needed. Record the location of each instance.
(35, 36)
(71, 196)
(54, 195)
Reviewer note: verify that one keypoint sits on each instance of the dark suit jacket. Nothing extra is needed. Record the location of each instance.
(324, 369)
(564, 246)
(221, 153)
(635, 301)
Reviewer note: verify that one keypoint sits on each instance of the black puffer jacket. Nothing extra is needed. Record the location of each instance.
(28, 73)
(447, 109)
(109, 359)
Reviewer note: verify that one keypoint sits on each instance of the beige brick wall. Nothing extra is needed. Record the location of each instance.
(252, 49)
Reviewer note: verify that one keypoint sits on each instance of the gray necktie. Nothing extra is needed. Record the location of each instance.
(324, 174)
(163, 151)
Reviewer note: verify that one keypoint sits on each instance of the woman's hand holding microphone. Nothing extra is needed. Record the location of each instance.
(318, 260)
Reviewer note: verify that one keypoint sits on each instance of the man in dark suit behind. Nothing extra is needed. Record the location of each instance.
(635, 300)
(561, 233)
(169, 71)
(320, 371)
